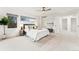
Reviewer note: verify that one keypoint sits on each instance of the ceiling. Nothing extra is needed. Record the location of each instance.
(36, 11)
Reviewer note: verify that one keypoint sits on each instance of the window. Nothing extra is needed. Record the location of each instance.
(12, 20)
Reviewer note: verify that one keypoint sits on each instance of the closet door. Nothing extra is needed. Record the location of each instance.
(64, 24)
(73, 24)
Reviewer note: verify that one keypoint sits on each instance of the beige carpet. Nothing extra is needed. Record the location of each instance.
(52, 42)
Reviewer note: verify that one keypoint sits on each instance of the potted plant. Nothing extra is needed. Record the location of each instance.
(4, 21)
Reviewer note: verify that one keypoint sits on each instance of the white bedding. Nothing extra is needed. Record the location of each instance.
(35, 35)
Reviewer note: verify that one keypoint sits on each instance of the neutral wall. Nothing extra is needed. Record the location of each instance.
(51, 19)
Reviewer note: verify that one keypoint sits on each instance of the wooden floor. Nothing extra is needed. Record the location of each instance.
(52, 42)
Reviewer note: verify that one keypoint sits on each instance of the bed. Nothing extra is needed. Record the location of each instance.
(36, 35)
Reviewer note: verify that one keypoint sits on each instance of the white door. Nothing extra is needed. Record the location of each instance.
(73, 25)
(64, 25)
(69, 25)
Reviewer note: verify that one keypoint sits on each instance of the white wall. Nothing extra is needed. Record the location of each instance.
(56, 20)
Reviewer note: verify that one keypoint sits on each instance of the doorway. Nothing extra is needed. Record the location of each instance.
(69, 25)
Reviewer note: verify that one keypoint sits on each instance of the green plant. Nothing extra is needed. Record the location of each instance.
(4, 21)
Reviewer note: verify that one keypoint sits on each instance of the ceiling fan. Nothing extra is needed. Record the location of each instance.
(45, 9)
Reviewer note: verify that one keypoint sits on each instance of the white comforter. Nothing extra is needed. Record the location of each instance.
(35, 35)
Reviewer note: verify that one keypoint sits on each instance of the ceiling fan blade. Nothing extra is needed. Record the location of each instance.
(44, 16)
(49, 9)
(46, 9)
(43, 8)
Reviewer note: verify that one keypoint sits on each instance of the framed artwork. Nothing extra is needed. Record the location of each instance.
(27, 19)
(24, 18)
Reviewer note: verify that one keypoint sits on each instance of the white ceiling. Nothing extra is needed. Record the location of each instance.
(61, 11)
(36, 11)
